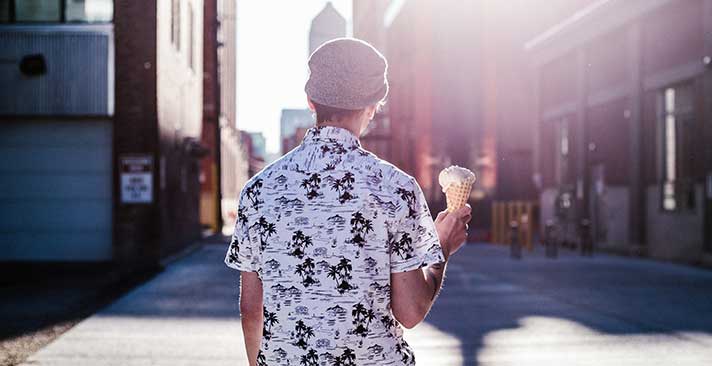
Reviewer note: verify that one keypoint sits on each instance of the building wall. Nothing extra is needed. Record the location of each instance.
(609, 76)
(674, 236)
(209, 187)
(136, 234)
(68, 50)
(368, 22)
(179, 108)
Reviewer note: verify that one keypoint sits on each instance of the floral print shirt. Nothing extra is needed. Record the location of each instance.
(324, 227)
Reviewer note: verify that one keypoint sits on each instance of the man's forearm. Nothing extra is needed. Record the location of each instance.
(252, 328)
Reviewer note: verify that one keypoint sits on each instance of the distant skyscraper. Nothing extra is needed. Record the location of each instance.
(326, 25)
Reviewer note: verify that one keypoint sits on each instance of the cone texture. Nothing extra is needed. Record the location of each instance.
(457, 196)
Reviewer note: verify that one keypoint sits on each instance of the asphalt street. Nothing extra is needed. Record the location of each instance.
(604, 310)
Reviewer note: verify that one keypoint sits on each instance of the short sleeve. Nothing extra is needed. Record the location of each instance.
(412, 239)
(243, 253)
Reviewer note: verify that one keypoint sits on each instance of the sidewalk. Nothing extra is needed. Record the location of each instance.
(604, 310)
(187, 315)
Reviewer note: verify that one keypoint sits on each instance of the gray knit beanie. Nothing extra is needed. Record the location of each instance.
(347, 73)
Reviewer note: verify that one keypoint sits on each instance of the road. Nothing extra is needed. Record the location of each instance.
(604, 310)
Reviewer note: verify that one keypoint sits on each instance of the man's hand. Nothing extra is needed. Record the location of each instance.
(452, 229)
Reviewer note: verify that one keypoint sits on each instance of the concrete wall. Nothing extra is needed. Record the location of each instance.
(676, 236)
(180, 111)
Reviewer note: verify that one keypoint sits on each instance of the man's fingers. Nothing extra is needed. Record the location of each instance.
(463, 211)
(441, 216)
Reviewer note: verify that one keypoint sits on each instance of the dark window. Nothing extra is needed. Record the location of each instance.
(675, 130)
(56, 11)
(5, 11)
(175, 23)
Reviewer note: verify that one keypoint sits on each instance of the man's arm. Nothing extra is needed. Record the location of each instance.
(413, 292)
(251, 313)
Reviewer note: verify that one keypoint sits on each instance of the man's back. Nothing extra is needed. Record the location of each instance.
(324, 227)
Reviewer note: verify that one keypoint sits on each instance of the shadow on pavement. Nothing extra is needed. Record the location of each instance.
(498, 310)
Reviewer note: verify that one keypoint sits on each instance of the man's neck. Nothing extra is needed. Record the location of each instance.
(353, 127)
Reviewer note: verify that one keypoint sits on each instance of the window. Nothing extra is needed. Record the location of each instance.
(92, 11)
(562, 150)
(56, 11)
(676, 117)
(175, 23)
(191, 40)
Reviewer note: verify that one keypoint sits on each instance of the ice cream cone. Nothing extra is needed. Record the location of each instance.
(456, 183)
(457, 195)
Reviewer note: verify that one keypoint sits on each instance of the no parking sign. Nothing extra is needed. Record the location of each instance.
(136, 179)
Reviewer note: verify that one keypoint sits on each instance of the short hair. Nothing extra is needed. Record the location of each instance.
(325, 113)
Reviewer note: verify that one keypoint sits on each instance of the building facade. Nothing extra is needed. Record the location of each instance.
(227, 164)
(293, 124)
(622, 97)
(101, 116)
(458, 92)
(325, 26)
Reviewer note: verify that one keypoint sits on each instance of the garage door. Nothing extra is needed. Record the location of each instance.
(55, 191)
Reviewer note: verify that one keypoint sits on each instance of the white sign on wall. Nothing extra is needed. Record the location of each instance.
(136, 176)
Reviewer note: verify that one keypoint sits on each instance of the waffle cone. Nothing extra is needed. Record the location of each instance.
(457, 196)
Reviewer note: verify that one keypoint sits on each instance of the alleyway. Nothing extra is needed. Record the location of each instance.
(493, 311)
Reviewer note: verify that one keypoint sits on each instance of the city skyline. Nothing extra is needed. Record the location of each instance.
(282, 53)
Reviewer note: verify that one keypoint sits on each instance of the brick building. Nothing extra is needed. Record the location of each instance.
(458, 92)
(622, 99)
(101, 127)
(227, 160)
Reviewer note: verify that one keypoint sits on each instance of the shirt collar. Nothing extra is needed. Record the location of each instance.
(331, 134)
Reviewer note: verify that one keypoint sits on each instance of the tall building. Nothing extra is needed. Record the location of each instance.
(293, 125)
(325, 26)
(101, 117)
(458, 92)
(227, 161)
(254, 144)
(622, 97)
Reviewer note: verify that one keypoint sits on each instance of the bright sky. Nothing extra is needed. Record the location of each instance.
(272, 52)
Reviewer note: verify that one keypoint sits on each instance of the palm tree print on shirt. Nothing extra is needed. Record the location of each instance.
(344, 187)
(299, 244)
(409, 198)
(302, 333)
(265, 229)
(253, 194)
(362, 318)
(310, 359)
(261, 360)
(360, 226)
(306, 271)
(406, 353)
(270, 319)
(347, 358)
(341, 273)
(312, 184)
(402, 247)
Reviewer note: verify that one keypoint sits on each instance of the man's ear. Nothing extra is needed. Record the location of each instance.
(311, 105)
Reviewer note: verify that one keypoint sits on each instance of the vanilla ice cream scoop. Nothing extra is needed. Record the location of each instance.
(455, 175)
(456, 183)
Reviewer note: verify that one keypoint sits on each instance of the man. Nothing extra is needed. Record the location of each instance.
(336, 248)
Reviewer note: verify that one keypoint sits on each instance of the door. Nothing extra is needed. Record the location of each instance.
(708, 213)
(598, 207)
(55, 191)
